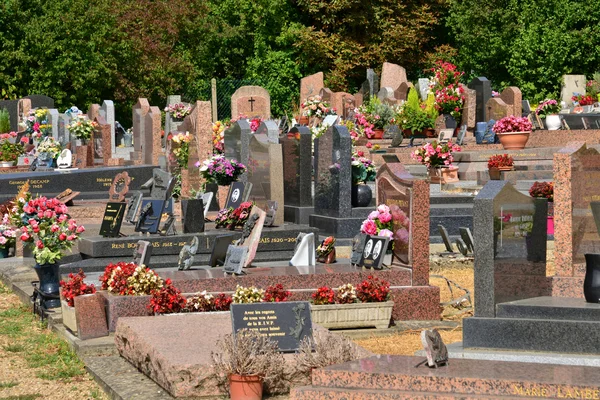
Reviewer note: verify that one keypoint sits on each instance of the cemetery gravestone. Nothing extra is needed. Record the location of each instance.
(186, 255)
(64, 136)
(373, 83)
(39, 101)
(392, 75)
(142, 253)
(297, 174)
(287, 323)
(251, 101)
(218, 252)
(513, 99)
(113, 217)
(107, 111)
(238, 193)
(483, 92)
(193, 215)
(571, 85)
(140, 109)
(469, 116)
(93, 112)
(310, 86)
(402, 91)
(53, 121)
(423, 87)
(152, 145)
(445, 238)
(497, 109)
(101, 137)
(237, 143)
(235, 259)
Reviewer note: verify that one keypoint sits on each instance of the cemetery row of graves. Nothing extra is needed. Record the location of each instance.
(263, 237)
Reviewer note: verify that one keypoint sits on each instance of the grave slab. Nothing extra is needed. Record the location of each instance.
(91, 317)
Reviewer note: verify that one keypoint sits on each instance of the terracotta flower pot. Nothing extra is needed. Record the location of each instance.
(328, 259)
(303, 120)
(443, 175)
(513, 140)
(377, 134)
(494, 174)
(243, 387)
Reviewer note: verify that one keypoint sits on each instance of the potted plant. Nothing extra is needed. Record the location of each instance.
(499, 162)
(326, 251)
(449, 95)
(231, 219)
(82, 128)
(70, 289)
(46, 224)
(221, 171)
(178, 111)
(545, 190)
(9, 151)
(8, 236)
(315, 107)
(584, 100)
(36, 123)
(513, 132)
(246, 361)
(373, 117)
(437, 157)
(549, 109)
(366, 305)
(48, 150)
(416, 118)
(363, 171)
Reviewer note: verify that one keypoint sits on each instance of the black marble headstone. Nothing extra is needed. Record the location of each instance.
(297, 167)
(374, 251)
(193, 215)
(358, 244)
(236, 195)
(113, 217)
(286, 323)
(483, 89)
(150, 215)
(218, 252)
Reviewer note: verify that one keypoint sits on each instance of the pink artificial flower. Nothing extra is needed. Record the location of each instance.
(373, 215)
(62, 237)
(369, 227)
(80, 229)
(386, 233)
(54, 228)
(24, 237)
(383, 208)
(385, 217)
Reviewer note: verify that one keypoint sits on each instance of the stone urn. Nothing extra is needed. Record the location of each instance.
(361, 195)
(513, 140)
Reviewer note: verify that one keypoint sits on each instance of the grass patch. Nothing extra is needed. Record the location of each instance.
(54, 357)
(14, 348)
(6, 385)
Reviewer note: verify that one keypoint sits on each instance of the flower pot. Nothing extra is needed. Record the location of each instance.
(494, 174)
(223, 191)
(513, 140)
(443, 175)
(550, 225)
(68, 316)
(328, 259)
(303, 120)
(553, 122)
(361, 195)
(591, 282)
(245, 387)
(355, 315)
(49, 277)
(377, 134)
(128, 140)
(4, 252)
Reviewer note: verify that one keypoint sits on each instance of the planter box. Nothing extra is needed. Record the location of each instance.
(68, 316)
(123, 306)
(356, 315)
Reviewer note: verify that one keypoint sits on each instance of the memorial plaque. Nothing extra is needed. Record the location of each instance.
(287, 323)
(150, 215)
(142, 253)
(513, 225)
(218, 252)
(163, 184)
(119, 187)
(237, 195)
(192, 215)
(133, 207)
(358, 244)
(113, 217)
(235, 259)
(374, 251)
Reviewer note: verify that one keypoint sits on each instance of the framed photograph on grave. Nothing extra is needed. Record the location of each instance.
(236, 195)
(374, 251)
(445, 135)
(218, 252)
(113, 217)
(150, 215)
(286, 323)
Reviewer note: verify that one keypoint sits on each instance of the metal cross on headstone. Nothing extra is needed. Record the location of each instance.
(251, 101)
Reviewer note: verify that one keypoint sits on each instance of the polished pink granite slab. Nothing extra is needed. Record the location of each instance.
(91, 316)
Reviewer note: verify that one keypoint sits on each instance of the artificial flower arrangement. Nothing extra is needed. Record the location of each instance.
(547, 107)
(583, 100)
(314, 106)
(218, 135)
(10, 152)
(46, 224)
(220, 170)
(50, 146)
(512, 124)
(8, 136)
(245, 295)
(231, 218)
(326, 247)
(374, 115)
(130, 279)
(542, 190)
(179, 110)
(74, 287)
(435, 154)
(82, 127)
(363, 169)
(449, 95)
(37, 123)
(379, 222)
(371, 290)
(255, 124)
(8, 235)
(500, 160)
(181, 148)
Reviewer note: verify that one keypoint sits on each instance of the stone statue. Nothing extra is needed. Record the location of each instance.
(247, 229)
(435, 349)
(271, 213)
(186, 255)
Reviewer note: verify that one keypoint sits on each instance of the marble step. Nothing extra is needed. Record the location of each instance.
(554, 308)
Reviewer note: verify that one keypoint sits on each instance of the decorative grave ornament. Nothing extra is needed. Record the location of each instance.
(186, 255)
(304, 253)
(271, 213)
(435, 349)
(133, 207)
(247, 229)
(358, 244)
(65, 159)
(168, 228)
(113, 217)
(219, 249)
(206, 201)
(235, 259)
(374, 251)
(142, 253)
(67, 196)
(150, 216)
(119, 187)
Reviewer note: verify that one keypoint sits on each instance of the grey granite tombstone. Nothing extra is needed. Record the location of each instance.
(108, 112)
(12, 106)
(446, 238)
(270, 129)
(297, 174)
(53, 117)
(483, 89)
(235, 259)
(64, 136)
(333, 153)
(467, 237)
(373, 80)
(511, 239)
(40, 101)
(237, 143)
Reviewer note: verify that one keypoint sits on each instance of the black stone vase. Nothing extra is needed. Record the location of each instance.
(449, 121)
(591, 283)
(361, 195)
(49, 276)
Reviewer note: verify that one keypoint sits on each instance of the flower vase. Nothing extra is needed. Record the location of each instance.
(222, 194)
(327, 259)
(553, 122)
(591, 282)
(361, 195)
(378, 134)
(443, 175)
(4, 252)
(494, 174)
(49, 276)
(69, 317)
